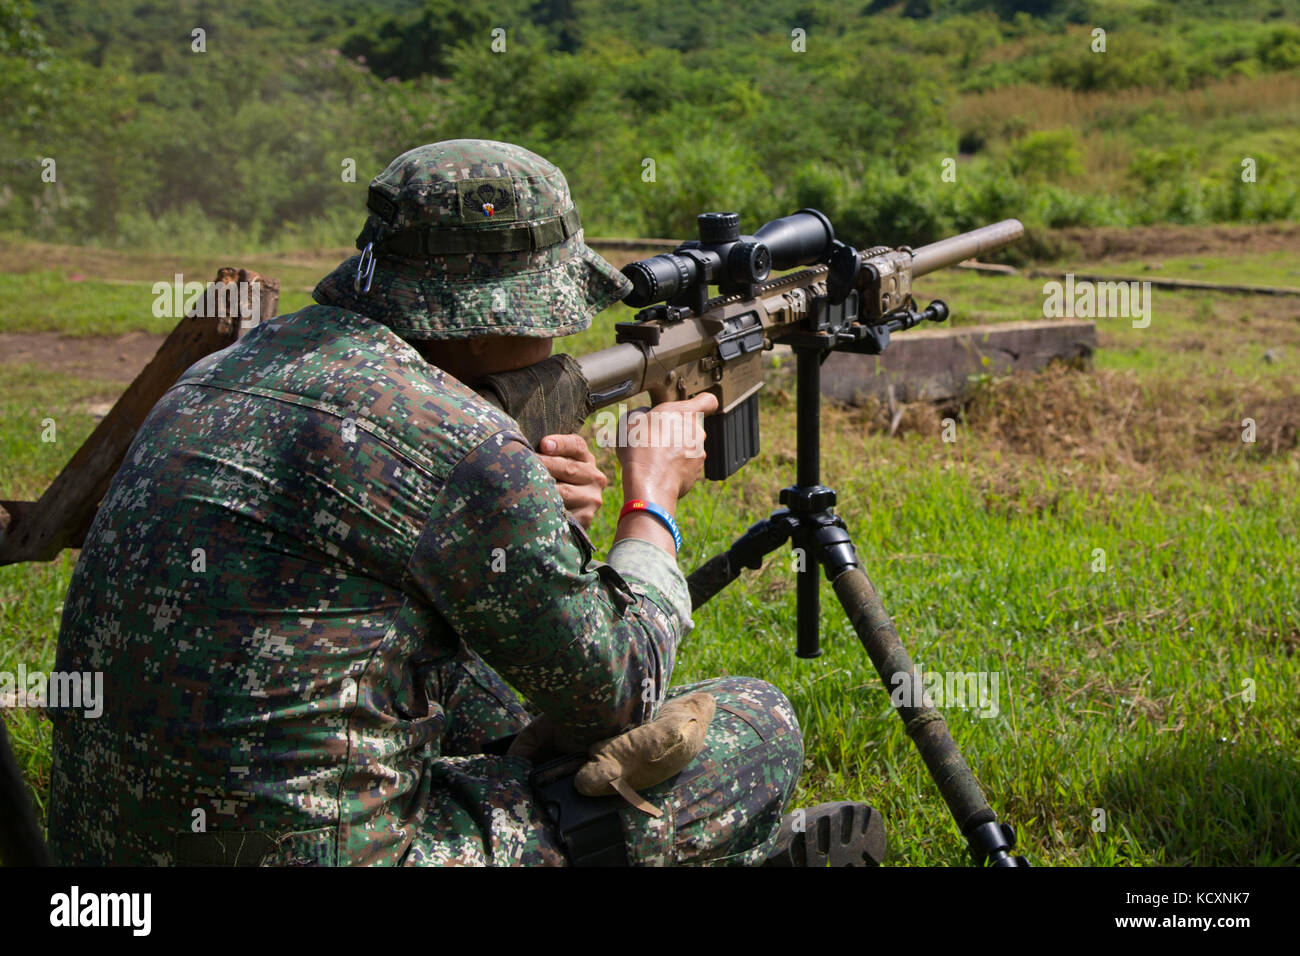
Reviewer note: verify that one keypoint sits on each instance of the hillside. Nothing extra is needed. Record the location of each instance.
(916, 117)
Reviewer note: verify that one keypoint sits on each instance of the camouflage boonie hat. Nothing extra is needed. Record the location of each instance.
(473, 237)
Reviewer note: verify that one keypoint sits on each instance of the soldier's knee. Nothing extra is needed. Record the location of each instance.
(762, 705)
(758, 709)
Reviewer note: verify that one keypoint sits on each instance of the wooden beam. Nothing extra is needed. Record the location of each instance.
(936, 364)
(1194, 285)
(38, 531)
(268, 297)
(14, 511)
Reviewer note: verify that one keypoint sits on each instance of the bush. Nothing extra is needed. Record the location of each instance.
(1047, 155)
(704, 174)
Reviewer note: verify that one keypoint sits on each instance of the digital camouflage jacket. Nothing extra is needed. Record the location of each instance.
(308, 525)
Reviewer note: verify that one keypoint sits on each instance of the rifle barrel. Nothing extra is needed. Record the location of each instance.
(608, 370)
(949, 252)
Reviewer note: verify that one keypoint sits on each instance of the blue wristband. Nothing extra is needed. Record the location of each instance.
(652, 509)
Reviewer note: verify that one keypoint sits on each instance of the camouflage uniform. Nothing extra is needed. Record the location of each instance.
(304, 587)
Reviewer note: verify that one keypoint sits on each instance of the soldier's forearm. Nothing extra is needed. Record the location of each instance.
(642, 562)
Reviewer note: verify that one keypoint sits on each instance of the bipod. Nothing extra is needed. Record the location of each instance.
(808, 522)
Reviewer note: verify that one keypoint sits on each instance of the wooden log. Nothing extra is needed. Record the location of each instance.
(257, 294)
(936, 364)
(993, 268)
(14, 511)
(1194, 285)
(38, 531)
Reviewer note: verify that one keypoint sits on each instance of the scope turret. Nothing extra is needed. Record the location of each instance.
(723, 257)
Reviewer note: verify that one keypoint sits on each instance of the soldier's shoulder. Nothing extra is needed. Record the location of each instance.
(357, 370)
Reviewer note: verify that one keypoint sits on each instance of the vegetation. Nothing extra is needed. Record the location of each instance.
(1159, 690)
(247, 143)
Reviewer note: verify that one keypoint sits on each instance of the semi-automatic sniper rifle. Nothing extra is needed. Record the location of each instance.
(684, 341)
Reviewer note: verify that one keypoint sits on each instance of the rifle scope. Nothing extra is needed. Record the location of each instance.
(723, 257)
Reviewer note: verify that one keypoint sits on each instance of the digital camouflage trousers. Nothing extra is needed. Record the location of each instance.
(723, 809)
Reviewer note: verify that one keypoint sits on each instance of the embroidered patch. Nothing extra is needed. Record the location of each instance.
(487, 200)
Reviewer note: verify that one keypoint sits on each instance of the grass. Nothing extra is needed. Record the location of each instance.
(988, 566)
(47, 301)
(1160, 691)
(1278, 268)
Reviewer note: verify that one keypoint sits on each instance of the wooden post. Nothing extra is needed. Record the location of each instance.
(259, 290)
(39, 530)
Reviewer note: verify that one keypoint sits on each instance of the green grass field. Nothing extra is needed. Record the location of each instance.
(1160, 691)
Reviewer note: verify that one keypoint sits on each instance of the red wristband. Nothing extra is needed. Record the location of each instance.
(645, 507)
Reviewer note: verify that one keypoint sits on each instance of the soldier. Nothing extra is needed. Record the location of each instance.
(325, 555)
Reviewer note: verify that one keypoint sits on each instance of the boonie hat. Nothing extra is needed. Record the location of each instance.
(473, 237)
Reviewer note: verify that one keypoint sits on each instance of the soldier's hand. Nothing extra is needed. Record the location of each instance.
(572, 465)
(664, 457)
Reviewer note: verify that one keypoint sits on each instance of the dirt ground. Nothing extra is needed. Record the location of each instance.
(109, 359)
(1099, 244)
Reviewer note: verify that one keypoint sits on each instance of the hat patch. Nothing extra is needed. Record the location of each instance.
(487, 200)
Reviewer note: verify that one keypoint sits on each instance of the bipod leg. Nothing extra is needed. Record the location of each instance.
(990, 842)
(748, 551)
(21, 840)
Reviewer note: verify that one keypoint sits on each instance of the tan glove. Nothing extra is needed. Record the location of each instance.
(649, 754)
(642, 757)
